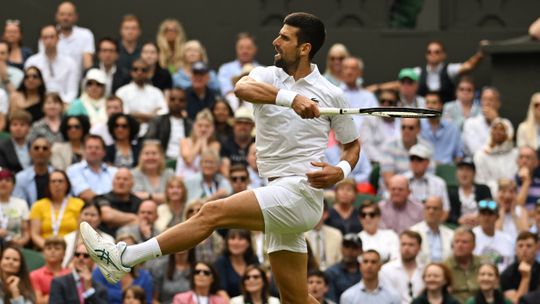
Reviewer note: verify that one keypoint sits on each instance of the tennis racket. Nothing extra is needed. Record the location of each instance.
(394, 112)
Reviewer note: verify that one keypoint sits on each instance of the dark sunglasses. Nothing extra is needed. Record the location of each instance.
(135, 69)
(239, 178)
(73, 126)
(416, 158)
(254, 277)
(368, 214)
(489, 205)
(203, 272)
(93, 83)
(42, 148)
(79, 254)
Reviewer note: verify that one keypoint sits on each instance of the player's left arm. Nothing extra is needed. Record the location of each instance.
(329, 175)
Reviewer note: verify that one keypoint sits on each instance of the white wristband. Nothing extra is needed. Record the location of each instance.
(285, 98)
(346, 167)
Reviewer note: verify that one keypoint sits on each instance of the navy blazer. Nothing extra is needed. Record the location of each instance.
(64, 290)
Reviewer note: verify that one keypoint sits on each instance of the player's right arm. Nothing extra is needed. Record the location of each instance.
(249, 89)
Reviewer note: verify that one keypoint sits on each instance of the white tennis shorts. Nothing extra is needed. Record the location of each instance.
(290, 207)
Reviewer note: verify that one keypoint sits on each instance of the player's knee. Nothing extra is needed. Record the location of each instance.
(211, 213)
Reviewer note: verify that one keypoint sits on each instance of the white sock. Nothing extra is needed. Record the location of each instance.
(139, 253)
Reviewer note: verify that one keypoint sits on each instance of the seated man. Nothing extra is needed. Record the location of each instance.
(145, 228)
(523, 275)
(14, 150)
(528, 183)
(399, 212)
(78, 285)
(208, 183)
(318, 286)
(346, 272)
(343, 215)
(119, 207)
(41, 278)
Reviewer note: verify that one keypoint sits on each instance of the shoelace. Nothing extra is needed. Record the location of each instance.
(104, 256)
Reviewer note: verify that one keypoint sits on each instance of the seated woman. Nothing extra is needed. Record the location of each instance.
(527, 132)
(497, 159)
(193, 51)
(90, 213)
(208, 184)
(124, 152)
(14, 276)
(30, 95)
(513, 218)
(172, 211)
(171, 276)
(137, 276)
(489, 289)
(49, 126)
(223, 119)
(14, 215)
(233, 262)
(437, 279)
(91, 103)
(200, 139)
(73, 129)
(159, 77)
(255, 288)
(57, 214)
(133, 295)
(204, 287)
(151, 175)
(41, 278)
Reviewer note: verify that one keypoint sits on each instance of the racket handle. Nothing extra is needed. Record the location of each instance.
(338, 111)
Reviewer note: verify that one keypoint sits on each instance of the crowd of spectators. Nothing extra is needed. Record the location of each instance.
(135, 137)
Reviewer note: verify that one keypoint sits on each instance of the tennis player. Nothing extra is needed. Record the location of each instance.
(291, 139)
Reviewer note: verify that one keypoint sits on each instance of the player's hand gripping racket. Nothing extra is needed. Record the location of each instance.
(383, 112)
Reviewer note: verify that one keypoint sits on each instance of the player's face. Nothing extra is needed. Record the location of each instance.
(287, 48)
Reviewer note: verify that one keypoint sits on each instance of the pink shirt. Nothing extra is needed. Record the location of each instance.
(41, 278)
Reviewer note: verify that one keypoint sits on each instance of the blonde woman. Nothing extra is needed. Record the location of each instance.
(170, 40)
(201, 138)
(527, 133)
(172, 212)
(336, 54)
(150, 176)
(193, 51)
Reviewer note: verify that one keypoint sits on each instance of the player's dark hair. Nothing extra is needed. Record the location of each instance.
(311, 30)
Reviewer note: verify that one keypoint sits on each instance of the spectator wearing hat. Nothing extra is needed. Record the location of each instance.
(408, 90)
(235, 150)
(61, 73)
(14, 213)
(443, 135)
(172, 127)
(107, 62)
(385, 241)
(343, 216)
(422, 183)
(492, 244)
(399, 212)
(528, 183)
(370, 289)
(141, 99)
(465, 106)
(405, 273)
(395, 157)
(437, 237)
(14, 150)
(465, 196)
(464, 264)
(352, 68)
(92, 101)
(346, 272)
(199, 95)
(325, 242)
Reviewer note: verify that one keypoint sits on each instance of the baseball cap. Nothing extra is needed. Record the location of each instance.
(408, 73)
(96, 75)
(244, 114)
(466, 162)
(420, 151)
(200, 67)
(352, 239)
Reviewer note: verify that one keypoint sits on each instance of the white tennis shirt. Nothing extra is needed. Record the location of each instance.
(286, 143)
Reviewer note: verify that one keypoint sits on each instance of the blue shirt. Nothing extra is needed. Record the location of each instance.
(446, 141)
(25, 187)
(435, 246)
(183, 80)
(226, 73)
(359, 98)
(82, 178)
(340, 279)
(144, 280)
(359, 294)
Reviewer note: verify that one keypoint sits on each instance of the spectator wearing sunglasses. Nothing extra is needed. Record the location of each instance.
(255, 286)
(385, 241)
(492, 244)
(141, 99)
(91, 103)
(78, 286)
(204, 287)
(124, 151)
(74, 129)
(30, 94)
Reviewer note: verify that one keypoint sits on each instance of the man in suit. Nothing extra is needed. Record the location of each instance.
(14, 150)
(170, 128)
(325, 242)
(78, 286)
(107, 56)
